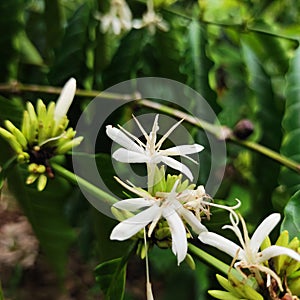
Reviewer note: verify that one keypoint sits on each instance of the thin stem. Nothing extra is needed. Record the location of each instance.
(17, 88)
(244, 26)
(148, 283)
(211, 260)
(105, 197)
(217, 131)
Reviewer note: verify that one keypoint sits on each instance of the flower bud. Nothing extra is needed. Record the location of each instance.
(243, 129)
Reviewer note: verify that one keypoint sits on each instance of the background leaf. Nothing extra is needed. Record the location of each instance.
(291, 221)
(291, 124)
(111, 277)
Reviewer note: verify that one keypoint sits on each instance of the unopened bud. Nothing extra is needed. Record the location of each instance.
(243, 129)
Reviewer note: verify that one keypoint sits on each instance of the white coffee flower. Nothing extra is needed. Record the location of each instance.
(135, 151)
(118, 19)
(156, 208)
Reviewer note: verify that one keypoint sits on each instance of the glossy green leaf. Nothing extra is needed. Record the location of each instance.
(271, 50)
(70, 59)
(10, 26)
(197, 64)
(11, 109)
(291, 221)
(111, 276)
(291, 124)
(53, 11)
(5, 168)
(128, 58)
(28, 52)
(268, 115)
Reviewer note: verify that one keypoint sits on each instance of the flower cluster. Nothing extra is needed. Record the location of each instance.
(268, 266)
(43, 135)
(169, 207)
(119, 19)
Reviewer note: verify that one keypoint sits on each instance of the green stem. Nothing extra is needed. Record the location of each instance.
(221, 131)
(17, 88)
(217, 131)
(105, 197)
(209, 259)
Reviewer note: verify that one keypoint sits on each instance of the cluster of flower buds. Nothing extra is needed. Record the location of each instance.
(236, 289)
(282, 279)
(43, 135)
(285, 267)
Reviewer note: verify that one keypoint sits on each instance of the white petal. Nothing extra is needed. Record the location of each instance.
(192, 220)
(164, 26)
(137, 24)
(173, 163)
(122, 139)
(183, 149)
(178, 233)
(65, 99)
(166, 135)
(263, 230)
(126, 229)
(133, 204)
(116, 26)
(127, 156)
(274, 250)
(105, 23)
(222, 244)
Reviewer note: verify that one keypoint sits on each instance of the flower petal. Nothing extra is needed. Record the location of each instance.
(173, 163)
(122, 139)
(65, 99)
(178, 233)
(183, 150)
(127, 156)
(263, 230)
(274, 250)
(222, 244)
(192, 220)
(126, 229)
(133, 204)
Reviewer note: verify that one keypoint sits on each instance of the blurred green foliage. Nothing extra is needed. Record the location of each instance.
(242, 56)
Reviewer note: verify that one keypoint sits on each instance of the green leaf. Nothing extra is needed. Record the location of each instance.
(10, 25)
(111, 276)
(127, 59)
(28, 52)
(272, 51)
(268, 115)
(291, 221)
(6, 168)
(45, 211)
(291, 124)
(53, 11)
(196, 64)
(11, 109)
(71, 57)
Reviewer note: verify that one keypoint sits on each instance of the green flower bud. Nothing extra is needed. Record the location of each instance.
(32, 178)
(42, 181)
(23, 158)
(32, 168)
